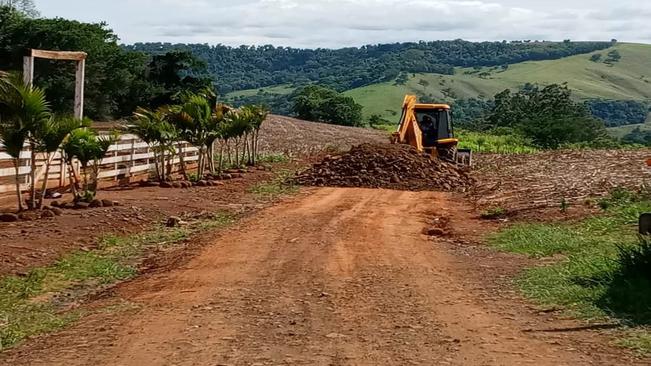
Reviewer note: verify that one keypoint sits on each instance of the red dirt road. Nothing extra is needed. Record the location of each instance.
(330, 277)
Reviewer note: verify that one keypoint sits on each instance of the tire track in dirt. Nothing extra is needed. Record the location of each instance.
(332, 277)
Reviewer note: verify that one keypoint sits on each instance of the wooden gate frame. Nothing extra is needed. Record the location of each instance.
(79, 57)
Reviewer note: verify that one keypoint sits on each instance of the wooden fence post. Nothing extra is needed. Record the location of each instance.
(79, 89)
(28, 70)
(132, 162)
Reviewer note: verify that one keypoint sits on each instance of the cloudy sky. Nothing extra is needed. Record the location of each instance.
(337, 23)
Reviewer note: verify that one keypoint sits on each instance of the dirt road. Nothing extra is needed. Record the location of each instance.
(330, 277)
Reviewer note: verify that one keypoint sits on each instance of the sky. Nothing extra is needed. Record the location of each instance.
(341, 23)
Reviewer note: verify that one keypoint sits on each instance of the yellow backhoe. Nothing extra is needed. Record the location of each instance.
(428, 128)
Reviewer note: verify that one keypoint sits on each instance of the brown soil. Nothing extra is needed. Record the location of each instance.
(297, 137)
(524, 184)
(335, 276)
(29, 244)
(399, 167)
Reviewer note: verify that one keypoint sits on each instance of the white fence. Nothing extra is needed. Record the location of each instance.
(127, 158)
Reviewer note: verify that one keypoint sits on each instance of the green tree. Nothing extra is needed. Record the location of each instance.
(153, 128)
(546, 115)
(613, 56)
(192, 118)
(13, 130)
(55, 133)
(175, 72)
(26, 7)
(117, 80)
(86, 146)
(320, 104)
(25, 112)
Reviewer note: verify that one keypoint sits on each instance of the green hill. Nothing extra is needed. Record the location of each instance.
(622, 131)
(627, 79)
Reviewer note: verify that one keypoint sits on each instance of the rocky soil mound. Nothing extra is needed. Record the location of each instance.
(386, 166)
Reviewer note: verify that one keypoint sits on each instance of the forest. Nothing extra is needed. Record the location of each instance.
(117, 81)
(618, 112)
(251, 67)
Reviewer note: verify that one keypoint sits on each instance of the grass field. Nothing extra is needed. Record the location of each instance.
(599, 269)
(630, 78)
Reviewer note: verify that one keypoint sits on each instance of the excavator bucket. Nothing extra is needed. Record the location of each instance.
(464, 157)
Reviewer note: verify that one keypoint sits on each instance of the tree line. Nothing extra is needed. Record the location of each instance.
(251, 67)
(117, 81)
(619, 112)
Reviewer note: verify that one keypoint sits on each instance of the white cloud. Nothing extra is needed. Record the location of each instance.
(336, 23)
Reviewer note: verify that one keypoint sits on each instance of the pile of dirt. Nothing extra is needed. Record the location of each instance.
(386, 166)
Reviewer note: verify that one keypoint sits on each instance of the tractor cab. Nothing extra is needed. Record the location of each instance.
(435, 122)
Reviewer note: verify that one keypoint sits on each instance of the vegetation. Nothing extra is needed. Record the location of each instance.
(319, 104)
(28, 305)
(638, 136)
(628, 79)
(87, 147)
(282, 184)
(25, 118)
(548, 116)
(246, 67)
(619, 112)
(502, 141)
(136, 79)
(26, 7)
(201, 121)
(604, 268)
(56, 132)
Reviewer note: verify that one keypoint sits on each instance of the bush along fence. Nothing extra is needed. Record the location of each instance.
(64, 151)
(127, 158)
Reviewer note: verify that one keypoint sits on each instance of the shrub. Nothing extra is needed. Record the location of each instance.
(629, 294)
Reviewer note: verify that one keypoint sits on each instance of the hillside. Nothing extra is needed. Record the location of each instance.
(622, 131)
(245, 67)
(627, 79)
(630, 78)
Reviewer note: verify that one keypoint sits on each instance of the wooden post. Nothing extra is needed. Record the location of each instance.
(132, 162)
(64, 170)
(28, 70)
(79, 89)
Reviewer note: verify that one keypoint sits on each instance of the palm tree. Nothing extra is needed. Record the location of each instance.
(257, 115)
(24, 113)
(216, 131)
(240, 124)
(153, 128)
(56, 131)
(84, 145)
(13, 137)
(192, 118)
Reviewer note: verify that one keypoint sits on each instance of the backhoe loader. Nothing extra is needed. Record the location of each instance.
(428, 128)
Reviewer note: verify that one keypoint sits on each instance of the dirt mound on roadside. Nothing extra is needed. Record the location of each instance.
(386, 166)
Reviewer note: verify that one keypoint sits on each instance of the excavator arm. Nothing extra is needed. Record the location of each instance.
(408, 131)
